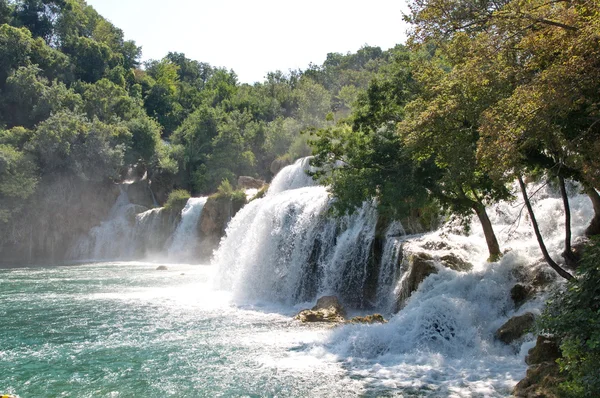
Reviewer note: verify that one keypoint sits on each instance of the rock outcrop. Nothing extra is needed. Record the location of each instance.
(369, 319)
(515, 328)
(245, 182)
(543, 374)
(327, 309)
(216, 213)
(420, 265)
(61, 210)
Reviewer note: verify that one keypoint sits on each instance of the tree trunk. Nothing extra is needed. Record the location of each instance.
(594, 227)
(538, 235)
(488, 231)
(568, 255)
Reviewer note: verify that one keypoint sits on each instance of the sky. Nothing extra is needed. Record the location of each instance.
(254, 37)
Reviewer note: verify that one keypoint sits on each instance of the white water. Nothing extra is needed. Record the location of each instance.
(283, 248)
(185, 239)
(132, 232)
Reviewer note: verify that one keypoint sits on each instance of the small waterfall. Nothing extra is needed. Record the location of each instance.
(390, 267)
(186, 242)
(132, 232)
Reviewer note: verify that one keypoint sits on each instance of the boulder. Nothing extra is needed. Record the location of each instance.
(245, 182)
(327, 309)
(455, 263)
(515, 328)
(520, 293)
(162, 268)
(369, 319)
(419, 267)
(546, 350)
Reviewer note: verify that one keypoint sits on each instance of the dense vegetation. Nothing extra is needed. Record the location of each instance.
(77, 109)
(486, 93)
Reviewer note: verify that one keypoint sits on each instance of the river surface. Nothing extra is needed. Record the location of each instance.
(125, 329)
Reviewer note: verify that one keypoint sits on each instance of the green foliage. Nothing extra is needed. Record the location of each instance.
(18, 180)
(226, 191)
(177, 199)
(573, 316)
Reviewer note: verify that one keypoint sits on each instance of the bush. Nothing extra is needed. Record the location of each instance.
(177, 199)
(226, 191)
(574, 317)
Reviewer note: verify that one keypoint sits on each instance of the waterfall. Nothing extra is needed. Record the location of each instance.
(285, 248)
(132, 232)
(186, 242)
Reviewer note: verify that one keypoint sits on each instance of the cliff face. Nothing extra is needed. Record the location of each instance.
(216, 213)
(60, 211)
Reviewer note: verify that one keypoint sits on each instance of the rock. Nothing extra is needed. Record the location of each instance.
(279, 164)
(162, 268)
(436, 245)
(369, 319)
(455, 263)
(546, 350)
(246, 182)
(215, 216)
(520, 293)
(543, 275)
(515, 328)
(419, 267)
(139, 193)
(540, 381)
(327, 309)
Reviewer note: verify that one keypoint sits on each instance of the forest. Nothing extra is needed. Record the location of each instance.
(483, 94)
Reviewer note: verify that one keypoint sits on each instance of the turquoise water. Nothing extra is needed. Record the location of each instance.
(128, 330)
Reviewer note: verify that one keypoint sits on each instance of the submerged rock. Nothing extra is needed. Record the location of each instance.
(162, 268)
(327, 309)
(515, 328)
(369, 319)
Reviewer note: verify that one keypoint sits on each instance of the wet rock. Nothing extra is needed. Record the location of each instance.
(162, 268)
(546, 350)
(515, 328)
(543, 276)
(327, 309)
(369, 319)
(540, 382)
(246, 182)
(419, 266)
(456, 263)
(436, 245)
(520, 293)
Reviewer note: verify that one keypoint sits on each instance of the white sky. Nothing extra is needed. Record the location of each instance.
(254, 37)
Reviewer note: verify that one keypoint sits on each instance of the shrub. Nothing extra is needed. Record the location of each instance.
(177, 199)
(574, 317)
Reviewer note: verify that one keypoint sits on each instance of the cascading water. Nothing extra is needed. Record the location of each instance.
(186, 242)
(284, 248)
(131, 232)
